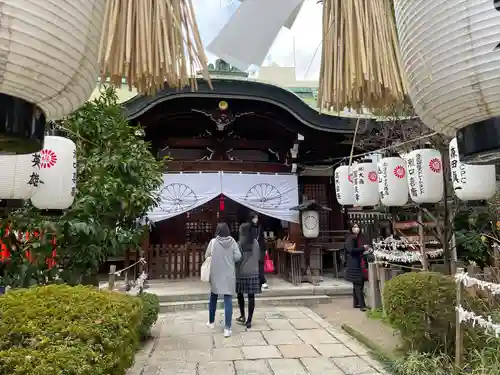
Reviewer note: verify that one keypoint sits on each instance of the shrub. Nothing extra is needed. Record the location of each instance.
(422, 307)
(150, 311)
(59, 329)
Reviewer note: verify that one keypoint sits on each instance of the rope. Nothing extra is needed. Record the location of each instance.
(118, 273)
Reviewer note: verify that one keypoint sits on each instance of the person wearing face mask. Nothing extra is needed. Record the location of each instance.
(258, 234)
(355, 247)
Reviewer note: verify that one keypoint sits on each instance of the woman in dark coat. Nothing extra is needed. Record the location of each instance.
(258, 234)
(355, 247)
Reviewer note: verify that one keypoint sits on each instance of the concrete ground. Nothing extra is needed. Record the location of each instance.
(340, 312)
(282, 341)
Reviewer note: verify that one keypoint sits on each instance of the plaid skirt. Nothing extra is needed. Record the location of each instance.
(248, 285)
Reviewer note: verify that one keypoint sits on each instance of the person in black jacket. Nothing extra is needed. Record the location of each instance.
(355, 248)
(258, 234)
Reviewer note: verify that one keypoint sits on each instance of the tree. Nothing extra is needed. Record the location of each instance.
(117, 182)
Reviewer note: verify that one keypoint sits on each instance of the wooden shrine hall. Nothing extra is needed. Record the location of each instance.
(243, 146)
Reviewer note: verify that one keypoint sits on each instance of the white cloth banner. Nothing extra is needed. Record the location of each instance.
(269, 194)
(182, 192)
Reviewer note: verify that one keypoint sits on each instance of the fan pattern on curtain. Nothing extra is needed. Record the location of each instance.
(269, 194)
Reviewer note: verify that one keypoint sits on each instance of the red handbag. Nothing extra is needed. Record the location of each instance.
(268, 264)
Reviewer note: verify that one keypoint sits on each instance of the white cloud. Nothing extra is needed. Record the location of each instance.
(213, 14)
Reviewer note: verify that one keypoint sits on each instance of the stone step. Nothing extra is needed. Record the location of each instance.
(262, 300)
(268, 293)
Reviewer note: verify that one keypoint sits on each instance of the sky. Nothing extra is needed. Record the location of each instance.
(213, 14)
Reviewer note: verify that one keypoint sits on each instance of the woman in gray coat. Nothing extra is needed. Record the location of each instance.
(247, 273)
(225, 252)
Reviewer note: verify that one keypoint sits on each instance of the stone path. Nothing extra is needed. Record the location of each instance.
(340, 312)
(282, 341)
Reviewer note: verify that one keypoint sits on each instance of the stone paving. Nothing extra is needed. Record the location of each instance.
(282, 341)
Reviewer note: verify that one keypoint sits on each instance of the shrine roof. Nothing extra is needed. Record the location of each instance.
(234, 88)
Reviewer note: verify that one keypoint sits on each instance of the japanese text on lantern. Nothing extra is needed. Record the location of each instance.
(73, 178)
(355, 182)
(458, 170)
(412, 182)
(337, 185)
(384, 180)
(420, 173)
(361, 175)
(35, 176)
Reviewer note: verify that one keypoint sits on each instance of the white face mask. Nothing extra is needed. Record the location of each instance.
(255, 220)
(355, 230)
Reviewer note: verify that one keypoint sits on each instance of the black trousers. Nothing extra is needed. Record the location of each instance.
(358, 294)
(262, 276)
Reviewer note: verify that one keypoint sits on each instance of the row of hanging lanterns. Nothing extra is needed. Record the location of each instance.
(418, 176)
(47, 177)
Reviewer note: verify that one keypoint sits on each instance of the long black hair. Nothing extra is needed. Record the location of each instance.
(222, 230)
(245, 237)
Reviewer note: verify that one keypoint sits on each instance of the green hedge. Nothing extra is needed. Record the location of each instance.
(421, 305)
(151, 309)
(59, 329)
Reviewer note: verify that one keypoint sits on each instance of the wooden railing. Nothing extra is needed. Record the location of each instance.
(169, 261)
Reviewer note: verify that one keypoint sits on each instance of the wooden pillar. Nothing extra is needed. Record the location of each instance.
(459, 333)
(421, 239)
(384, 275)
(374, 297)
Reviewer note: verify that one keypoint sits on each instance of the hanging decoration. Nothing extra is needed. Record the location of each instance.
(151, 43)
(51, 49)
(250, 32)
(344, 187)
(471, 182)
(450, 55)
(310, 224)
(402, 250)
(360, 62)
(468, 316)
(425, 175)
(57, 174)
(392, 181)
(365, 180)
(20, 176)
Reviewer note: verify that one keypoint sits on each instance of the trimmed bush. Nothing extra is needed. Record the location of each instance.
(59, 329)
(421, 305)
(150, 311)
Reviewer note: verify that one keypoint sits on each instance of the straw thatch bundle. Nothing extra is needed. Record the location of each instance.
(360, 64)
(146, 42)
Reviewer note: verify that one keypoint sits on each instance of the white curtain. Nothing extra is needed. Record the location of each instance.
(270, 194)
(182, 192)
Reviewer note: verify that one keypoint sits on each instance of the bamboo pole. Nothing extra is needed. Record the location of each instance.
(360, 65)
(151, 43)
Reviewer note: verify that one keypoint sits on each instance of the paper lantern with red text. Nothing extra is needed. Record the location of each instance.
(425, 175)
(344, 187)
(365, 179)
(392, 181)
(57, 174)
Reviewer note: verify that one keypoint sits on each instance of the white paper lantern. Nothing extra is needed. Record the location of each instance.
(344, 187)
(425, 175)
(392, 181)
(50, 52)
(471, 182)
(365, 179)
(19, 176)
(57, 174)
(310, 224)
(450, 55)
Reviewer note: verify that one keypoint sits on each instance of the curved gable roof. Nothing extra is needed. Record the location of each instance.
(244, 89)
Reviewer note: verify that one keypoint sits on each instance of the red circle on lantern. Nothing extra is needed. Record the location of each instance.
(372, 176)
(435, 165)
(349, 178)
(48, 158)
(399, 171)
